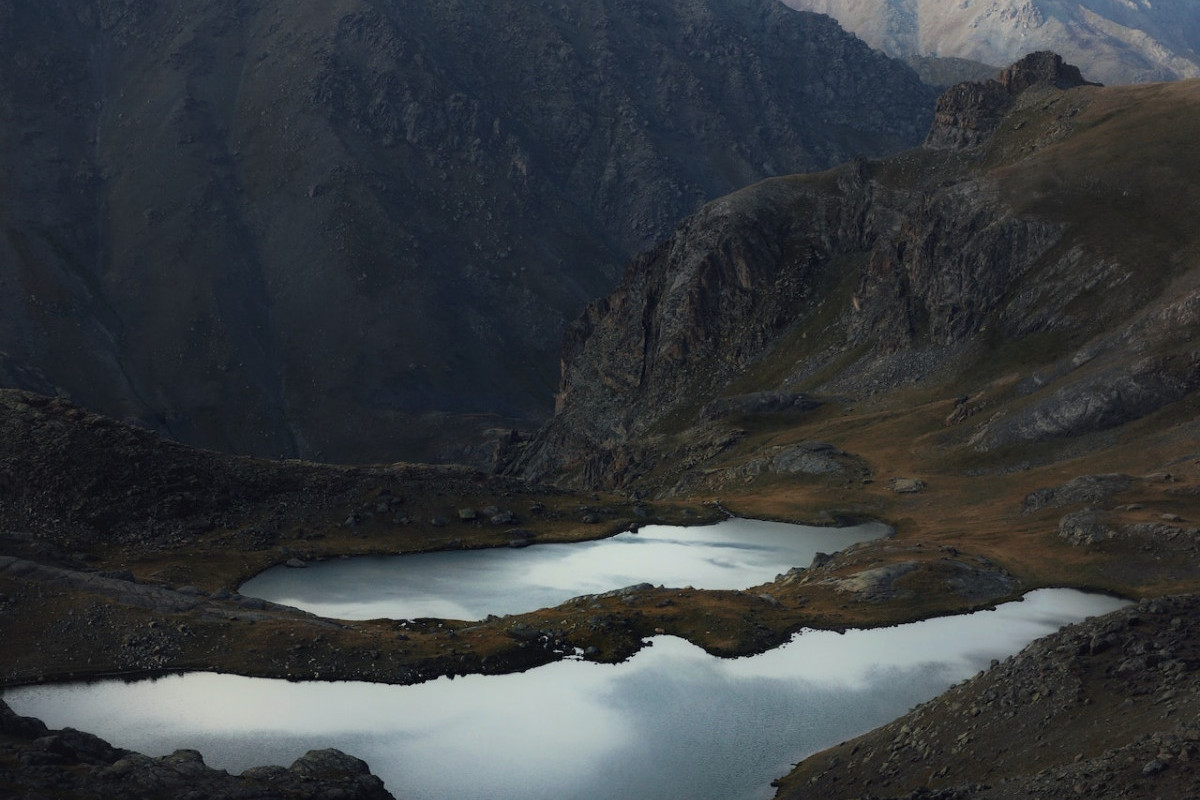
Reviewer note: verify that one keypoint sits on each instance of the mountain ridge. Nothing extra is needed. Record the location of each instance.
(1113, 41)
(907, 272)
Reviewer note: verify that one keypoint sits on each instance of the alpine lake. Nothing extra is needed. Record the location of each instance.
(670, 722)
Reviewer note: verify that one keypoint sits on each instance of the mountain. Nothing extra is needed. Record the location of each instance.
(1112, 41)
(1035, 262)
(988, 342)
(354, 230)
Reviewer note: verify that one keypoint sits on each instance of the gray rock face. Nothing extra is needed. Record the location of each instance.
(354, 231)
(1084, 489)
(1116, 396)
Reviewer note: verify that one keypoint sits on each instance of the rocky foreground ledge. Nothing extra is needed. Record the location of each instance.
(1105, 709)
(36, 762)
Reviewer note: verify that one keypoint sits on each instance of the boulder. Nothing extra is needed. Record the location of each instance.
(908, 485)
(1086, 527)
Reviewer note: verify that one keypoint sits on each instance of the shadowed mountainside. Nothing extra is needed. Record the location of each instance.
(354, 230)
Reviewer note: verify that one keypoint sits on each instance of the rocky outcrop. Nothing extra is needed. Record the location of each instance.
(968, 114)
(686, 316)
(38, 762)
(901, 578)
(1086, 527)
(1116, 396)
(1090, 527)
(1084, 489)
(878, 583)
(812, 461)
(353, 232)
(1041, 68)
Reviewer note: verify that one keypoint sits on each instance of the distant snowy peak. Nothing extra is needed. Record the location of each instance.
(1113, 41)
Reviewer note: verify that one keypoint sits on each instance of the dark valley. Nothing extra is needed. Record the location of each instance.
(354, 231)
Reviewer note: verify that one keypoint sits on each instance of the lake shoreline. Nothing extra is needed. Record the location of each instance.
(149, 631)
(812, 692)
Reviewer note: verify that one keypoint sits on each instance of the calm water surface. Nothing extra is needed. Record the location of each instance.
(470, 584)
(670, 723)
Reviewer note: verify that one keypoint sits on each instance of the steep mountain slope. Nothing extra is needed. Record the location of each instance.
(355, 229)
(989, 342)
(1113, 41)
(1036, 258)
(1104, 709)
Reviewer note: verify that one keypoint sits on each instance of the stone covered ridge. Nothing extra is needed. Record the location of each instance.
(968, 114)
(1043, 723)
(38, 762)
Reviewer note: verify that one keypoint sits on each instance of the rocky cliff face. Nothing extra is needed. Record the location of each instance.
(354, 230)
(1000, 235)
(1113, 41)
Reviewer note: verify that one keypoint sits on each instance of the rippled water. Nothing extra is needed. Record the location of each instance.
(470, 584)
(670, 723)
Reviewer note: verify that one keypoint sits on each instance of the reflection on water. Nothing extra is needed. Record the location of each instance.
(672, 722)
(470, 584)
